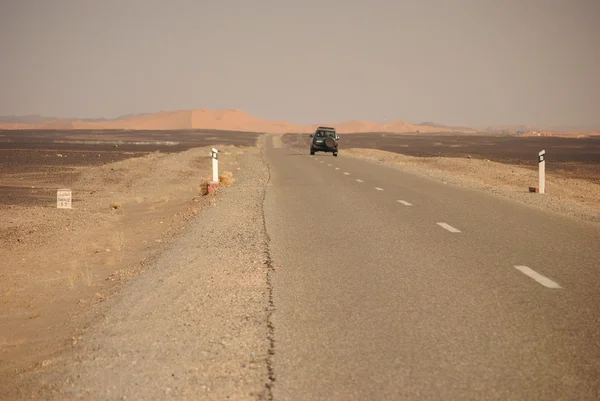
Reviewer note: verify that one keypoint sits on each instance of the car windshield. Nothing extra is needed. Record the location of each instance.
(322, 134)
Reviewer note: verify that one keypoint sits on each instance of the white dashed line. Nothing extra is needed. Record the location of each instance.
(346, 173)
(405, 203)
(545, 281)
(359, 180)
(379, 189)
(448, 227)
(329, 165)
(322, 161)
(337, 168)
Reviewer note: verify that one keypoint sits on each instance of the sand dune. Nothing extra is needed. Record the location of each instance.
(231, 120)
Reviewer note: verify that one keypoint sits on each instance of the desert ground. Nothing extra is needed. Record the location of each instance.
(131, 196)
(134, 194)
(31, 159)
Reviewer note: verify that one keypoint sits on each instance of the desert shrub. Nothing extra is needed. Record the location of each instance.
(226, 179)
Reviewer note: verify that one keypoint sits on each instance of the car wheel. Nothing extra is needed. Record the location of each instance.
(335, 154)
(312, 152)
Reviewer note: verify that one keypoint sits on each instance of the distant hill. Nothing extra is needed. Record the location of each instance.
(449, 127)
(511, 128)
(238, 120)
(535, 128)
(28, 119)
(229, 120)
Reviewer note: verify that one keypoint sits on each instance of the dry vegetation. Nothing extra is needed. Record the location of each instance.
(226, 179)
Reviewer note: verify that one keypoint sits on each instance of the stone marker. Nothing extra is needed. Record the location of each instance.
(63, 199)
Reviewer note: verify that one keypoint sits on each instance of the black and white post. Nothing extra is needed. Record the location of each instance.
(542, 172)
(215, 164)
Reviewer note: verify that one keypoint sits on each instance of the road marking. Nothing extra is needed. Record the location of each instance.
(359, 180)
(329, 165)
(322, 161)
(379, 189)
(337, 168)
(545, 281)
(405, 203)
(346, 173)
(448, 227)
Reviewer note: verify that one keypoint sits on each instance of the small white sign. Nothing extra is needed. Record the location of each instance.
(63, 199)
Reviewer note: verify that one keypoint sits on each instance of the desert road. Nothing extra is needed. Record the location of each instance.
(390, 286)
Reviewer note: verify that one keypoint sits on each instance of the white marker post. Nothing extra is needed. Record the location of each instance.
(63, 199)
(215, 164)
(542, 172)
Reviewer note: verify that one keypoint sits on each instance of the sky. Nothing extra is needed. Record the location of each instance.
(459, 62)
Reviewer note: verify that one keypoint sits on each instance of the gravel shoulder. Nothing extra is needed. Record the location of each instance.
(573, 197)
(190, 322)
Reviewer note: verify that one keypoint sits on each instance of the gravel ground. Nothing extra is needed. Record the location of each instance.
(195, 324)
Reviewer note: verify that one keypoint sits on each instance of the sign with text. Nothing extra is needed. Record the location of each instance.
(63, 199)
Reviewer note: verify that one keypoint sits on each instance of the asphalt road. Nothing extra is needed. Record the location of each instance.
(392, 286)
(567, 157)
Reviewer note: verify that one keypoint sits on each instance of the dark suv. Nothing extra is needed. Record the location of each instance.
(325, 139)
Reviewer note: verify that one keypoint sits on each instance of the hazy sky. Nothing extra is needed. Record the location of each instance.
(474, 62)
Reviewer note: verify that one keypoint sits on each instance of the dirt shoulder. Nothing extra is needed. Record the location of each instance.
(569, 196)
(142, 268)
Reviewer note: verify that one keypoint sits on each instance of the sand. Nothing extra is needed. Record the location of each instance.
(61, 265)
(227, 120)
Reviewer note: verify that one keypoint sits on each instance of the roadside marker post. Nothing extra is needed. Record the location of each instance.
(215, 164)
(63, 198)
(542, 171)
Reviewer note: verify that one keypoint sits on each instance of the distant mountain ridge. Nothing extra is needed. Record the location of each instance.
(536, 128)
(453, 128)
(238, 120)
(27, 119)
(37, 119)
(229, 119)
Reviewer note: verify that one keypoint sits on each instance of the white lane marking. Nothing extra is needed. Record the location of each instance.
(448, 227)
(379, 189)
(359, 180)
(322, 161)
(405, 203)
(337, 168)
(545, 281)
(346, 173)
(329, 165)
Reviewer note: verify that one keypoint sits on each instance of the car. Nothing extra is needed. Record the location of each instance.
(325, 139)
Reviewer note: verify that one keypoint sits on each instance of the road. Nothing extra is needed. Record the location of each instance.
(567, 157)
(392, 286)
